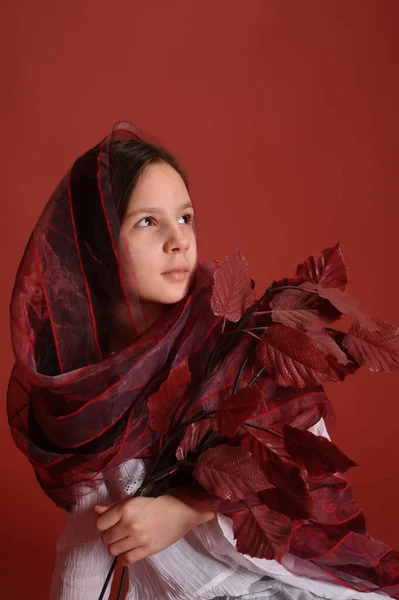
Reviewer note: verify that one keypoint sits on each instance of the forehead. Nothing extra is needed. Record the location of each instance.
(159, 178)
(160, 188)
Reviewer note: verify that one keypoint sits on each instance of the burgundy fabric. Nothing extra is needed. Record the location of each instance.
(74, 409)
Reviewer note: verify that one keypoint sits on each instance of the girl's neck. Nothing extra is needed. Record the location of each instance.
(122, 334)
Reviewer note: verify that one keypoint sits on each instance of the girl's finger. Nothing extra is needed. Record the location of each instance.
(108, 519)
(133, 555)
(121, 546)
(118, 532)
(99, 510)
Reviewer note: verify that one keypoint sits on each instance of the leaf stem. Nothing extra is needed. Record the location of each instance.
(255, 377)
(244, 319)
(224, 325)
(239, 375)
(162, 474)
(208, 441)
(252, 334)
(170, 437)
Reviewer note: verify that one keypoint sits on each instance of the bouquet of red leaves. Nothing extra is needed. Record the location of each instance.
(249, 454)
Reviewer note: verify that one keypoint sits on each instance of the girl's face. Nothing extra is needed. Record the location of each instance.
(156, 236)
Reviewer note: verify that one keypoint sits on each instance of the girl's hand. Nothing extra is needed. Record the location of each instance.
(139, 527)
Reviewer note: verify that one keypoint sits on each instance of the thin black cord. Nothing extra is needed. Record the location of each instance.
(122, 581)
(107, 579)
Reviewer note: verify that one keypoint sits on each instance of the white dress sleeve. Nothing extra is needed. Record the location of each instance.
(320, 428)
(82, 560)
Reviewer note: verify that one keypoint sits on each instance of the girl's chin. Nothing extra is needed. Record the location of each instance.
(173, 298)
(167, 296)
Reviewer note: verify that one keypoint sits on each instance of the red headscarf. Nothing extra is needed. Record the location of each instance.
(73, 408)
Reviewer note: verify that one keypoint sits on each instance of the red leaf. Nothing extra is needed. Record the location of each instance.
(263, 445)
(378, 350)
(232, 292)
(326, 269)
(259, 451)
(296, 281)
(292, 506)
(193, 436)
(285, 475)
(316, 453)
(289, 407)
(230, 473)
(330, 347)
(292, 358)
(291, 496)
(236, 410)
(345, 303)
(262, 533)
(163, 403)
(302, 310)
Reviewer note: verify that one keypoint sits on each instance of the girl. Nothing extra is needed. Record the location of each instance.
(109, 297)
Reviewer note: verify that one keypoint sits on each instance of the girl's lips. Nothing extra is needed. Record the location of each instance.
(178, 274)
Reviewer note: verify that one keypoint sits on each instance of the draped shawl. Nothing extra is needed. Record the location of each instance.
(74, 407)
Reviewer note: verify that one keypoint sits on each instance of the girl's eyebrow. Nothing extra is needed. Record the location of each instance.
(154, 209)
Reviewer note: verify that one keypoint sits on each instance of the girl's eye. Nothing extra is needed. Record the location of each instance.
(188, 216)
(189, 219)
(145, 219)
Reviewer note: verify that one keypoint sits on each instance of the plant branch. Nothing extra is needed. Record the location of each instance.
(171, 437)
(169, 471)
(255, 377)
(235, 387)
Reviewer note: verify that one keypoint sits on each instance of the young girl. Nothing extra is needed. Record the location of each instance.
(109, 297)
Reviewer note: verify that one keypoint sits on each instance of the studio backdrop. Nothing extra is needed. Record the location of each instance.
(284, 115)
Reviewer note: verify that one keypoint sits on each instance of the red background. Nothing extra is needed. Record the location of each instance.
(285, 117)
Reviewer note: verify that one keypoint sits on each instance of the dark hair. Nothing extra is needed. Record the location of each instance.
(128, 160)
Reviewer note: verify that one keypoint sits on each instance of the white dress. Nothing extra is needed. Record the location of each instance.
(202, 565)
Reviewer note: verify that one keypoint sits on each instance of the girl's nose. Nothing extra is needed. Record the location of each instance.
(177, 241)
